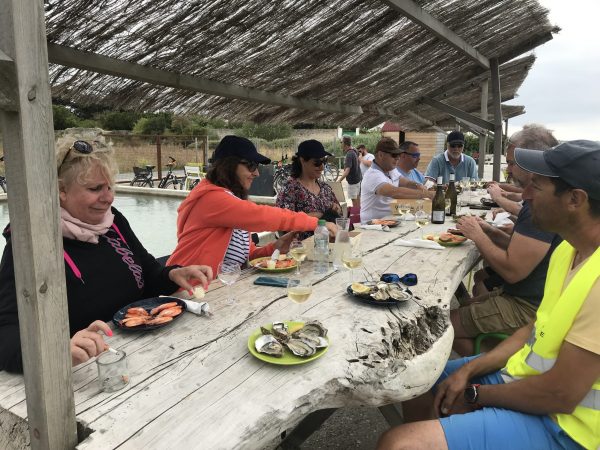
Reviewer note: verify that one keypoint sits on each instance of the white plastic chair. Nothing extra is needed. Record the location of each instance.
(192, 174)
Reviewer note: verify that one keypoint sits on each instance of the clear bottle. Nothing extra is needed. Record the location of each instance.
(321, 249)
(438, 205)
(452, 195)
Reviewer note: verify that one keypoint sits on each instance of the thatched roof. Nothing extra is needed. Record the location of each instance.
(357, 53)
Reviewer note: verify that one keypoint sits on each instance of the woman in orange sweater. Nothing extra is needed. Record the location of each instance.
(214, 222)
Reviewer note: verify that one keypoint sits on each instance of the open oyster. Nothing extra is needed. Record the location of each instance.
(389, 291)
(314, 327)
(300, 347)
(269, 345)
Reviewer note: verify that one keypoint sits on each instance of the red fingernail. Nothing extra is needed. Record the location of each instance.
(110, 333)
(205, 286)
(190, 292)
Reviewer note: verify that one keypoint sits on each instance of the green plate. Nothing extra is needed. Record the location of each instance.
(265, 269)
(288, 358)
(449, 244)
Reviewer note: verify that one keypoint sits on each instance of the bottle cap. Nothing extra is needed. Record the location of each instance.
(322, 222)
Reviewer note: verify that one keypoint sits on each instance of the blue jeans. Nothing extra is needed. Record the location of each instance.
(498, 428)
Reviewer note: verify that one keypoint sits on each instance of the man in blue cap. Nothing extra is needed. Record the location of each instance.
(453, 160)
(540, 388)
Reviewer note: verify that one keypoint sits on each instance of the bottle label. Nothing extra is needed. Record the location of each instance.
(438, 216)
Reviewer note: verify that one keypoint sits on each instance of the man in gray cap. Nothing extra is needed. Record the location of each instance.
(540, 388)
(453, 160)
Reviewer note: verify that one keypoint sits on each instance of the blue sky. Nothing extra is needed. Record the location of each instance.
(562, 90)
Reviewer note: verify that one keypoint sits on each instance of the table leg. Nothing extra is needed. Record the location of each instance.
(305, 428)
(391, 415)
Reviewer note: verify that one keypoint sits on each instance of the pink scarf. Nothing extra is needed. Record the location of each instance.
(73, 228)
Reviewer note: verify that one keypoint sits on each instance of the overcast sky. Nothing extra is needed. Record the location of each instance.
(562, 90)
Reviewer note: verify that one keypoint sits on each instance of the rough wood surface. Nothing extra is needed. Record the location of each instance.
(195, 385)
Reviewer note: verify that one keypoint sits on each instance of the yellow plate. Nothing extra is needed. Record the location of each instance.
(254, 263)
(288, 358)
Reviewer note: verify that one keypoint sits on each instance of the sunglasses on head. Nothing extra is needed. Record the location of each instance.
(410, 279)
(82, 147)
(414, 155)
(318, 162)
(456, 145)
(250, 165)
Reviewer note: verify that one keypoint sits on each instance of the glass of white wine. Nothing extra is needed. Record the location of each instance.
(299, 290)
(298, 252)
(228, 273)
(352, 258)
(422, 219)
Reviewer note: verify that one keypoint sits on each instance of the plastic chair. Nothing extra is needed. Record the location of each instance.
(192, 174)
(354, 215)
(483, 336)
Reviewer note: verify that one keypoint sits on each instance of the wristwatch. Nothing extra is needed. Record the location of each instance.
(472, 393)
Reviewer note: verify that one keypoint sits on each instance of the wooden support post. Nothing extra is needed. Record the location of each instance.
(35, 233)
(483, 137)
(497, 117)
(206, 152)
(158, 158)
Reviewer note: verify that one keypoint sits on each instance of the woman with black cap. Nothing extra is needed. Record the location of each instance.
(304, 191)
(214, 222)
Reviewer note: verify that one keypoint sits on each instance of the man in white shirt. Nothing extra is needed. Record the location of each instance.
(364, 158)
(382, 183)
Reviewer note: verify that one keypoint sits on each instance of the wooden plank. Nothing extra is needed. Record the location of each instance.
(458, 113)
(70, 57)
(36, 238)
(483, 137)
(415, 13)
(497, 97)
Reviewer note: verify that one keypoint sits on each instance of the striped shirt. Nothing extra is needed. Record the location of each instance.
(238, 250)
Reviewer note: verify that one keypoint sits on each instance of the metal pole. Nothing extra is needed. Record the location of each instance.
(494, 69)
(483, 137)
(158, 158)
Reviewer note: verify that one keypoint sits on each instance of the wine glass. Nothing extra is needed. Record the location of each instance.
(352, 258)
(298, 252)
(228, 273)
(465, 183)
(299, 290)
(447, 204)
(422, 219)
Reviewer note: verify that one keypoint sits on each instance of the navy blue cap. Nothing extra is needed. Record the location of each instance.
(312, 149)
(241, 147)
(575, 162)
(455, 136)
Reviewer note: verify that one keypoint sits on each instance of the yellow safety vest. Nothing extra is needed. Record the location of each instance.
(555, 317)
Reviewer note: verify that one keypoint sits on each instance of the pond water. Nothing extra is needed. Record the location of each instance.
(153, 219)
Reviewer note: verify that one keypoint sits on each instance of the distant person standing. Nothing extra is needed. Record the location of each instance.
(352, 172)
(408, 162)
(364, 158)
(453, 160)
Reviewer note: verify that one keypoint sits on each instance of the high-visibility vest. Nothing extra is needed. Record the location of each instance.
(555, 317)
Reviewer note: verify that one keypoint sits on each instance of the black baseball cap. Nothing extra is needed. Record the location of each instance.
(577, 163)
(456, 136)
(312, 149)
(241, 147)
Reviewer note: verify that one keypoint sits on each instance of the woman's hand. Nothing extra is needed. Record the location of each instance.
(85, 344)
(283, 243)
(336, 207)
(332, 228)
(183, 275)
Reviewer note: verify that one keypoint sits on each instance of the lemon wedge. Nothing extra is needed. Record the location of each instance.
(360, 288)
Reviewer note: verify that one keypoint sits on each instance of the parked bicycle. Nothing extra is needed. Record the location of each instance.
(142, 177)
(330, 172)
(170, 179)
(282, 173)
(2, 178)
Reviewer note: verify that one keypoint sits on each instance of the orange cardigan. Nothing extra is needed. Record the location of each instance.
(207, 217)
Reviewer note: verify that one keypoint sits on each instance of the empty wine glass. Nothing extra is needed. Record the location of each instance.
(228, 273)
(298, 252)
(299, 290)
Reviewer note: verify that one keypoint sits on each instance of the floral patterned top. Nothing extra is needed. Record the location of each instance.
(296, 197)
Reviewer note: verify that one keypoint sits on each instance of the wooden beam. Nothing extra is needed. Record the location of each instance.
(70, 57)
(35, 233)
(483, 138)
(415, 13)
(457, 113)
(496, 95)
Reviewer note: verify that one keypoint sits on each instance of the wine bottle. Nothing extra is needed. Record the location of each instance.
(438, 205)
(452, 194)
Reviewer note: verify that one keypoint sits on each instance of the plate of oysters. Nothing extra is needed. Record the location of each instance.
(289, 343)
(379, 292)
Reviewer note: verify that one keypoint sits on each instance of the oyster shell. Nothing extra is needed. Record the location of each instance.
(301, 348)
(269, 345)
(395, 292)
(314, 327)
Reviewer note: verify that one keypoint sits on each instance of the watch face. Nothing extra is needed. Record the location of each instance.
(471, 394)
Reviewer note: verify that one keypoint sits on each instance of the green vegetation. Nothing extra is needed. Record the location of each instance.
(266, 131)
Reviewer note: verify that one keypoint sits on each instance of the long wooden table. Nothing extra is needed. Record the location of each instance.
(195, 385)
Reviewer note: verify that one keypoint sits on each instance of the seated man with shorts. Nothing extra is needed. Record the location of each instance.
(540, 388)
(520, 267)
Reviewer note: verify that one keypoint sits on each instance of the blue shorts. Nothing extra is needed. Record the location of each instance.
(498, 428)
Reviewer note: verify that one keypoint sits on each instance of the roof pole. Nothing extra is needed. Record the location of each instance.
(35, 234)
(495, 73)
(483, 136)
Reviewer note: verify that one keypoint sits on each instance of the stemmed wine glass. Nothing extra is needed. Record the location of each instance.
(352, 258)
(422, 219)
(298, 252)
(299, 290)
(465, 183)
(228, 273)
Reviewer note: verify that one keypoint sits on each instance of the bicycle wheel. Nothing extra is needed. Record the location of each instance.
(278, 182)
(3, 186)
(172, 184)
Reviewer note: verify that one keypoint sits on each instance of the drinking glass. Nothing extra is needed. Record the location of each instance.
(299, 290)
(112, 371)
(298, 252)
(447, 204)
(352, 258)
(228, 273)
(343, 223)
(465, 184)
(422, 219)
(342, 240)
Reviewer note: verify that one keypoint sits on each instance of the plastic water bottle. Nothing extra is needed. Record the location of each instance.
(321, 249)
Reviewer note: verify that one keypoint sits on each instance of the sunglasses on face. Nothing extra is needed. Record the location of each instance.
(250, 165)
(414, 155)
(82, 147)
(456, 145)
(319, 162)
(410, 279)
(393, 155)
